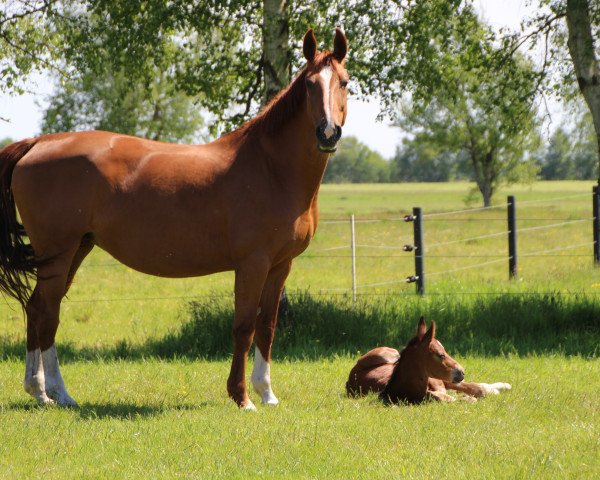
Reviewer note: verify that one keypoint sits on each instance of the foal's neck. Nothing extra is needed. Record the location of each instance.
(409, 380)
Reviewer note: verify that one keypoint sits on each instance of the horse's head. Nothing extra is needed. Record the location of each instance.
(438, 363)
(326, 87)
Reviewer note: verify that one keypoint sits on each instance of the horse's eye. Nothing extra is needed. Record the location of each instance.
(441, 355)
(343, 83)
(310, 82)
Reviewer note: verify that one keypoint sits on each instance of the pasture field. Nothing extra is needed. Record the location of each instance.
(147, 358)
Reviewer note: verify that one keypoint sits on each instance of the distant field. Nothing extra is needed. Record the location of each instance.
(153, 403)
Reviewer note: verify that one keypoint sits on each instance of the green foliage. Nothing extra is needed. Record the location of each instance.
(354, 162)
(213, 50)
(483, 110)
(420, 160)
(112, 102)
(6, 141)
(29, 42)
(567, 157)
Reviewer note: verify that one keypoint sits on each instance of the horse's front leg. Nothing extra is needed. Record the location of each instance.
(249, 280)
(478, 390)
(266, 321)
(439, 396)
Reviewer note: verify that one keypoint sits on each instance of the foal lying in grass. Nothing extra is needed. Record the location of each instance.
(422, 371)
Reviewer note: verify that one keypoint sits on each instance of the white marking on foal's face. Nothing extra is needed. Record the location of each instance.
(326, 74)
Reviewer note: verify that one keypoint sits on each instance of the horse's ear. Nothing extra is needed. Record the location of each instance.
(309, 47)
(421, 328)
(429, 335)
(340, 45)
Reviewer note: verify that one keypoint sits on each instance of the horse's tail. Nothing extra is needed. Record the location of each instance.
(17, 260)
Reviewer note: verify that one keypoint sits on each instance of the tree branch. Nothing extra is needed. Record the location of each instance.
(17, 16)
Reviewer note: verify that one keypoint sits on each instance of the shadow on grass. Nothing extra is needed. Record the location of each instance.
(318, 328)
(119, 411)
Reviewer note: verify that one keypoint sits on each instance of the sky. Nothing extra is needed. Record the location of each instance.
(25, 112)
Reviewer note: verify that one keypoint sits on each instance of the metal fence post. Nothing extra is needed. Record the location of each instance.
(512, 238)
(596, 210)
(419, 250)
(353, 248)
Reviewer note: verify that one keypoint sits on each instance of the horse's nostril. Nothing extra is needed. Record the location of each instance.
(458, 375)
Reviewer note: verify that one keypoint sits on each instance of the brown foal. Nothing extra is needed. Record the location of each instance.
(422, 371)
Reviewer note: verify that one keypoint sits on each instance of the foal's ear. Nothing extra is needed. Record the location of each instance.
(421, 328)
(429, 335)
(309, 47)
(340, 45)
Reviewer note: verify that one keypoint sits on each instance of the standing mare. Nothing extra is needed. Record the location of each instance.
(246, 202)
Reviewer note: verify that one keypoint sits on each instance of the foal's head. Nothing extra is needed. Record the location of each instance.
(433, 356)
(326, 85)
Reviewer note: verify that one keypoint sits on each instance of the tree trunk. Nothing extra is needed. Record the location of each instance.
(587, 69)
(276, 49)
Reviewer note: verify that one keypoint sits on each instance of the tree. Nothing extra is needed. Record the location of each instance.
(6, 141)
(354, 162)
(420, 160)
(27, 42)
(483, 110)
(111, 102)
(231, 54)
(567, 29)
(581, 43)
(570, 153)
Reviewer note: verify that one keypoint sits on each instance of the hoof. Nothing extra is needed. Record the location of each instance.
(468, 399)
(61, 398)
(270, 400)
(248, 407)
(496, 388)
(44, 400)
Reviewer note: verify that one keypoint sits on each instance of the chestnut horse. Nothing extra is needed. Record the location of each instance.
(246, 202)
(422, 371)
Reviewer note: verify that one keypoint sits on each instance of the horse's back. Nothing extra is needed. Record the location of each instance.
(139, 198)
(372, 371)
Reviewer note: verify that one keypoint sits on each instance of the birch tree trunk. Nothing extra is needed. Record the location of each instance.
(583, 54)
(276, 49)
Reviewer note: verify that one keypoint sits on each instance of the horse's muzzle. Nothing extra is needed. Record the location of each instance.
(458, 375)
(327, 143)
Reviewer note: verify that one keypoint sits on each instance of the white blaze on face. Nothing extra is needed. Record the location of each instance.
(326, 74)
(261, 379)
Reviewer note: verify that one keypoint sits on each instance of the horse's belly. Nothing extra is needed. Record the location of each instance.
(167, 243)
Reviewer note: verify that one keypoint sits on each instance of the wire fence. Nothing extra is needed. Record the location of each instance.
(407, 253)
(421, 249)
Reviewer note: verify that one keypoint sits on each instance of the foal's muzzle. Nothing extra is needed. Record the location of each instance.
(326, 143)
(458, 375)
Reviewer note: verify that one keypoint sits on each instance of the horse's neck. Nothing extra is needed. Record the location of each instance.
(409, 382)
(294, 158)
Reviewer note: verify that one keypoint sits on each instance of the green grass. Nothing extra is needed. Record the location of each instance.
(172, 420)
(147, 358)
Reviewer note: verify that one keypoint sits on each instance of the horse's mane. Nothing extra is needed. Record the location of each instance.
(287, 102)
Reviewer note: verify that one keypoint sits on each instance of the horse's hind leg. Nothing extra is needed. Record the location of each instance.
(266, 322)
(42, 375)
